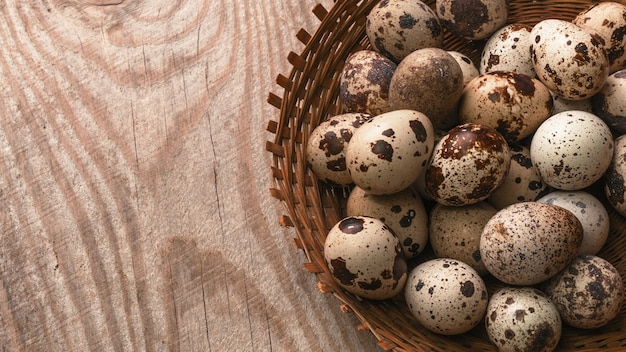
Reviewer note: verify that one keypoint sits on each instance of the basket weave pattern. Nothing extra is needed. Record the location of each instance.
(310, 95)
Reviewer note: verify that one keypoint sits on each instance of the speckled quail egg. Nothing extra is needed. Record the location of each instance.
(467, 165)
(365, 257)
(470, 71)
(388, 152)
(446, 296)
(591, 213)
(610, 103)
(561, 104)
(455, 232)
(523, 319)
(430, 81)
(588, 293)
(523, 182)
(403, 212)
(608, 19)
(472, 19)
(614, 180)
(513, 103)
(395, 28)
(527, 243)
(364, 82)
(326, 147)
(568, 60)
(508, 49)
(572, 149)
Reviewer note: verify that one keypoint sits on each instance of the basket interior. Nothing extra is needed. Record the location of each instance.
(310, 95)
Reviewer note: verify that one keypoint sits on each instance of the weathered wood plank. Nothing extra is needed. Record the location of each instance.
(134, 182)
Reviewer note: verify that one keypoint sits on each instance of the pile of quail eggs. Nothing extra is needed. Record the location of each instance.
(490, 163)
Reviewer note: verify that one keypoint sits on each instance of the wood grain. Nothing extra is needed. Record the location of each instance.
(134, 203)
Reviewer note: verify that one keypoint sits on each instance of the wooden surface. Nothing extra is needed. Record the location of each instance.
(134, 205)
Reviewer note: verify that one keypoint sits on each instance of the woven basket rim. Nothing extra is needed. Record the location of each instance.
(310, 96)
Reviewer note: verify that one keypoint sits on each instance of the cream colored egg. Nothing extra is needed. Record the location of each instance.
(396, 28)
(508, 49)
(527, 243)
(608, 19)
(572, 150)
(455, 232)
(523, 182)
(365, 258)
(523, 319)
(570, 61)
(446, 296)
(512, 103)
(403, 212)
(388, 152)
(590, 211)
(327, 144)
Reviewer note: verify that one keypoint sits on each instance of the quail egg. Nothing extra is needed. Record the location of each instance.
(388, 152)
(591, 213)
(523, 319)
(527, 243)
(508, 49)
(472, 19)
(364, 83)
(572, 150)
(365, 257)
(454, 232)
(588, 293)
(567, 59)
(327, 144)
(467, 165)
(403, 212)
(395, 28)
(446, 296)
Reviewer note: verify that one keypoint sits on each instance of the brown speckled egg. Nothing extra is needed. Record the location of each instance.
(455, 232)
(467, 165)
(508, 49)
(527, 243)
(610, 103)
(446, 296)
(364, 256)
(614, 180)
(608, 19)
(470, 71)
(523, 182)
(326, 147)
(429, 81)
(568, 60)
(472, 19)
(364, 83)
(395, 28)
(588, 293)
(513, 103)
(523, 319)
(388, 152)
(403, 212)
(590, 212)
(572, 150)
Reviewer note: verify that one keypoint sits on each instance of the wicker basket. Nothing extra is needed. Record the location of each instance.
(312, 208)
